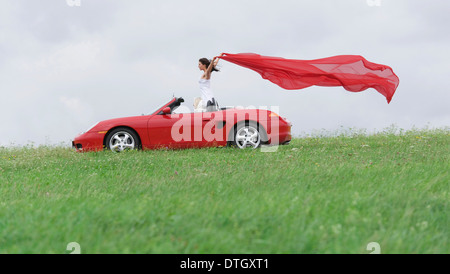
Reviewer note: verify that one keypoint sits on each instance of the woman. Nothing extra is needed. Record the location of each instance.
(207, 67)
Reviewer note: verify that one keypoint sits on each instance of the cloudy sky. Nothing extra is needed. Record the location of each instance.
(64, 67)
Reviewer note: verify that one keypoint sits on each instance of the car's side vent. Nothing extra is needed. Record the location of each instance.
(221, 124)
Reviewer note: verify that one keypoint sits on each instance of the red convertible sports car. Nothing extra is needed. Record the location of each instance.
(166, 129)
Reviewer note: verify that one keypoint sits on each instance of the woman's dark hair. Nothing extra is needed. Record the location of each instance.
(206, 62)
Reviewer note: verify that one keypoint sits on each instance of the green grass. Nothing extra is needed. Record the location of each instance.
(316, 195)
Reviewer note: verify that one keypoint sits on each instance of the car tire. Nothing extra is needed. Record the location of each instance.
(121, 139)
(247, 135)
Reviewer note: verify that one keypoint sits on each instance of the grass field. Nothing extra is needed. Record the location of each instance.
(316, 195)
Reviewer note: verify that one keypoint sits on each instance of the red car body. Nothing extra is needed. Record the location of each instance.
(165, 129)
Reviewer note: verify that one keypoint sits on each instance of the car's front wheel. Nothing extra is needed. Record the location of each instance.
(121, 139)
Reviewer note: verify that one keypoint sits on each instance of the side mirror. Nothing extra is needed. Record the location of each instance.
(166, 110)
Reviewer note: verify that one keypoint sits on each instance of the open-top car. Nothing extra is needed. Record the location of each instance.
(166, 129)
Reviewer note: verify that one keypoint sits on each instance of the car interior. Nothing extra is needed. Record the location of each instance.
(174, 105)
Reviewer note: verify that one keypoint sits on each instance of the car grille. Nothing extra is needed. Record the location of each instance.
(77, 146)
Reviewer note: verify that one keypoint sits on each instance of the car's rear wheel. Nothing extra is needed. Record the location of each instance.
(247, 136)
(121, 139)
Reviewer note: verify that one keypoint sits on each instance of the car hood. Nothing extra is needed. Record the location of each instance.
(123, 121)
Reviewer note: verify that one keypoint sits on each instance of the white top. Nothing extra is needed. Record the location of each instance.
(205, 88)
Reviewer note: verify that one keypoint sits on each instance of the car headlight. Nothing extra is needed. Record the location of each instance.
(91, 127)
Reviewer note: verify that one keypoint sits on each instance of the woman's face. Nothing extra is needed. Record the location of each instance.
(201, 66)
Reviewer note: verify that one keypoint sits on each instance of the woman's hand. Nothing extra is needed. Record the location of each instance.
(216, 60)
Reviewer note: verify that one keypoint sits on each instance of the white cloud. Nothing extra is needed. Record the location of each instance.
(68, 59)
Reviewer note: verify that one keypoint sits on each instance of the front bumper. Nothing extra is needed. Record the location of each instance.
(88, 141)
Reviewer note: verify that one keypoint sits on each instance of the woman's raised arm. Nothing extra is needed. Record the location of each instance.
(210, 67)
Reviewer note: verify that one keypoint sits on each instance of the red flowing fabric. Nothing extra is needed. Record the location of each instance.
(353, 72)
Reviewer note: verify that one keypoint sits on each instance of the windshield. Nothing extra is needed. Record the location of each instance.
(173, 106)
(155, 111)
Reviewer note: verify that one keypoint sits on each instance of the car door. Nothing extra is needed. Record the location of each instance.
(162, 130)
(207, 129)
